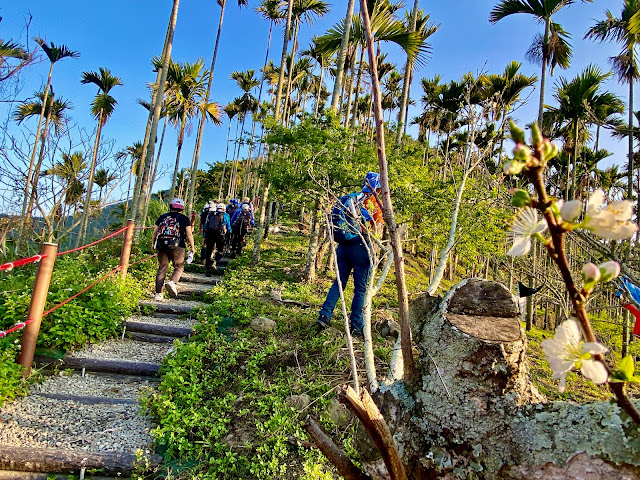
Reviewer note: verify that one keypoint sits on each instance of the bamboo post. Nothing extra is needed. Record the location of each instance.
(125, 253)
(36, 307)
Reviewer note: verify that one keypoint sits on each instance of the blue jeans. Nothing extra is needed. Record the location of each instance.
(350, 258)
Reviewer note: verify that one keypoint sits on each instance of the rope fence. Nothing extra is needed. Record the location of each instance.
(123, 266)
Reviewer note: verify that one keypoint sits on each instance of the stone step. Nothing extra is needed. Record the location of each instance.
(199, 278)
(99, 365)
(147, 338)
(172, 305)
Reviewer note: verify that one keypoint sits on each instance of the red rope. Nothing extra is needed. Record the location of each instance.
(82, 291)
(93, 243)
(143, 260)
(22, 261)
(20, 325)
(17, 326)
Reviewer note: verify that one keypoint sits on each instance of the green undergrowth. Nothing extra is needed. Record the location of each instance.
(91, 317)
(224, 407)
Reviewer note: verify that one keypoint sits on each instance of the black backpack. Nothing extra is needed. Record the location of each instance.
(168, 233)
(345, 227)
(243, 219)
(215, 223)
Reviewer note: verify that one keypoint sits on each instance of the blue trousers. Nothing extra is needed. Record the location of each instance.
(351, 258)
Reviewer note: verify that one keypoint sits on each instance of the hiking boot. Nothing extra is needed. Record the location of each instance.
(208, 274)
(158, 297)
(356, 333)
(171, 286)
(322, 323)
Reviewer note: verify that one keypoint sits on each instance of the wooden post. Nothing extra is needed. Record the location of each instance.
(36, 307)
(125, 253)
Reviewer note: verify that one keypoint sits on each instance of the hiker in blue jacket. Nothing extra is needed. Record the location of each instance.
(352, 252)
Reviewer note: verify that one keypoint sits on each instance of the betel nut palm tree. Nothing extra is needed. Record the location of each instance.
(54, 53)
(542, 11)
(579, 100)
(102, 108)
(196, 151)
(625, 31)
(186, 99)
(54, 112)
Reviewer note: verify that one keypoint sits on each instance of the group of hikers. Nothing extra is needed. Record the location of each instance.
(354, 218)
(224, 230)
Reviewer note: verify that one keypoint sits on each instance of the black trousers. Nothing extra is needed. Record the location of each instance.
(214, 242)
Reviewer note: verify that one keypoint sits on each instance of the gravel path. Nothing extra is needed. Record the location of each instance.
(47, 423)
(125, 350)
(93, 386)
(99, 413)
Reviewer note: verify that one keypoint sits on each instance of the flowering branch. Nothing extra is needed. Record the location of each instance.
(567, 350)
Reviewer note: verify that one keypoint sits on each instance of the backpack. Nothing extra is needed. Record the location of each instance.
(243, 219)
(168, 233)
(215, 223)
(345, 227)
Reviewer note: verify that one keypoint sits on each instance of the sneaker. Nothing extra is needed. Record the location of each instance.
(158, 297)
(171, 286)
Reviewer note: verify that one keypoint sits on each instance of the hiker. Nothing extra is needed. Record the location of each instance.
(215, 231)
(240, 223)
(170, 234)
(232, 208)
(204, 214)
(349, 218)
(247, 201)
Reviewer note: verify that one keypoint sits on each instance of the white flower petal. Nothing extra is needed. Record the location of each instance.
(594, 371)
(563, 383)
(570, 211)
(595, 202)
(521, 246)
(621, 210)
(594, 348)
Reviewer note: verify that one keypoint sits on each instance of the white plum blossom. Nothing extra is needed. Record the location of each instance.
(570, 211)
(613, 221)
(567, 351)
(525, 226)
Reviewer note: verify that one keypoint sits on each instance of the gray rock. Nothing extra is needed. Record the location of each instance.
(339, 413)
(299, 402)
(262, 324)
(389, 328)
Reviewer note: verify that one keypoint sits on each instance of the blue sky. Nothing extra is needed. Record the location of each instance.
(124, 35)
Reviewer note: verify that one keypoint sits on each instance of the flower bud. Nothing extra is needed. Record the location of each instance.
(517, 134)
(609, 270)
(513, 167)
(521, 198)
(536, 136)
(570, 211)
(522, 152)
(590, 273)
(551, 150)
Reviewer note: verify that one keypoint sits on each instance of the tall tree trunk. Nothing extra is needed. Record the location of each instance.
(224, 166)
(342, 55)
(319, 92)
(87, 200)
(404, 101)
(352, 84)
(543, 73)
(354, 119)
(625, 327)
(574, 170)
(154, 171)
(25, 222)
(157, 108)
(283, 61)
(257, 241)
(176, 168)
(292, 63)
(309, 274)
(196, 151)
(36, 172)
(394, 237)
